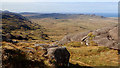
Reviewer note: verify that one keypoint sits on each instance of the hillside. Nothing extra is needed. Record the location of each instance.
(36, 41)
(58, 28)
(19, 27)
(107, 36)
(12, 21)
(69, 30)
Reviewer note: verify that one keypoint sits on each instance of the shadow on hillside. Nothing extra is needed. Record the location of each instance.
(75, 66)
(17, 59)
(14, 58)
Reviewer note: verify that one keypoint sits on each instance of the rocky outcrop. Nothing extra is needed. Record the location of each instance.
(70, 38)
(107, 36)
(16, 58)
(114, 33)
(8, 37)
(57, 54)
(16, 26)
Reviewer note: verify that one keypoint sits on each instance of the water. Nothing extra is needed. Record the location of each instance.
(107, 14)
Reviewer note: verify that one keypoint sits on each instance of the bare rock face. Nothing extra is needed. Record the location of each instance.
(70, 38)
(114, 33)
(60, 54)
(107, 36)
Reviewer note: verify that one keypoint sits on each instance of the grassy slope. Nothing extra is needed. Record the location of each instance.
(58, 28)
(92, 55)
(80, 55)
(16, 24)
(83, 55)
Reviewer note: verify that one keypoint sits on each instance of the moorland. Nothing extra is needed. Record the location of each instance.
(21, 31)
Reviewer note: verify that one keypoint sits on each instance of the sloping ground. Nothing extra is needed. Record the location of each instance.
(107, 36)
(27, 55)
(92, 55)
(22, 55)
(15, 26)
(58, 28)
(12, 21)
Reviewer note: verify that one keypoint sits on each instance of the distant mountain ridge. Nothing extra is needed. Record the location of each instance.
(56, 15)
(29, 13)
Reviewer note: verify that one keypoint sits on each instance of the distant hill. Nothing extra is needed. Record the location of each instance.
(56, 15)
(29, 13)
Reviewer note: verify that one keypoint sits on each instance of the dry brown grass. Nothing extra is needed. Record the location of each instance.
(92, 55)
(58, 28)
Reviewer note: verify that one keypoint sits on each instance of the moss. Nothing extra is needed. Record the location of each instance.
(74, 44)
(92, 43)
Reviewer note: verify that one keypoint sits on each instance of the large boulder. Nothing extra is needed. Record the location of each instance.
(57, 55)
(60, 55)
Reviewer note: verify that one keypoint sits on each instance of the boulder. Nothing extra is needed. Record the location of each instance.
(59, 54)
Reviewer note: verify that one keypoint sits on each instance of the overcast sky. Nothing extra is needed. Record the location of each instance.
(59, 0)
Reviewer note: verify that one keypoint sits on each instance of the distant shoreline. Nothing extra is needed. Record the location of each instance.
(107, 14)
(97, 14)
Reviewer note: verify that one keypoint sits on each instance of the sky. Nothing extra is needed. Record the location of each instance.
(61, 7)
(59, 0)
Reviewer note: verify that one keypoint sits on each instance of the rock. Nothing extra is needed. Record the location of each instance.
(102, 41)
(70, 38)
(107, 36)
(114, 33)
(8, 37)
(65, 39)
(60, 54)
(14, 42)
(102, 31)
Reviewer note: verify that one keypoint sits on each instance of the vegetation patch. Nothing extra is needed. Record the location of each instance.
(94, 55)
